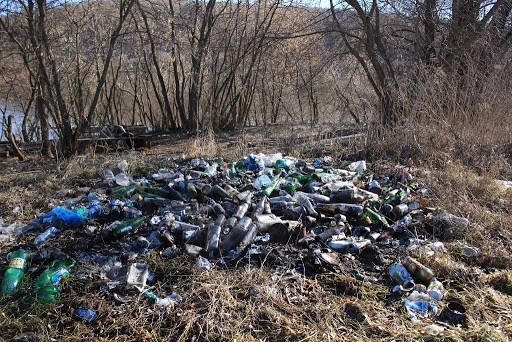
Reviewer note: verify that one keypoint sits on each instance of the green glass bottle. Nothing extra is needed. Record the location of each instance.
(53, 274)
(14, 274)
(301, 177)
(191, 190)
(170, 193)
(374, 217)
(126, 227)
(396, 198)
(123, 191)
(275, 182)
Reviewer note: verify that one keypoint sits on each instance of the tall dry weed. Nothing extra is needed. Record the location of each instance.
(204, 145)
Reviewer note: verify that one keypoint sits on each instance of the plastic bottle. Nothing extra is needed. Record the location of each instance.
(399, 273)
(45, 235)
(395, 198)
(54, 273)
(126, 227)
(211, 170)
(397, 228)
(108, 174)
(436, 290)
(47, 293)
(262, 182)
(94, 209)
(122, 179)
(64, 215)
(359, 245)
(14, 274)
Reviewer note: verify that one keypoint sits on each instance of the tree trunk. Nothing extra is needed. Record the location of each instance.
(12, 142)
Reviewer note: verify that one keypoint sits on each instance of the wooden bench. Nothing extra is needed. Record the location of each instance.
(5, 149)
(97, 138)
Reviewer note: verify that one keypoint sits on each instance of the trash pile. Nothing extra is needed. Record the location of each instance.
(264, 209)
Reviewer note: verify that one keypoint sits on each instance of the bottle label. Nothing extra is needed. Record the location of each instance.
(17, 263)
(125, 230)
(58, 275)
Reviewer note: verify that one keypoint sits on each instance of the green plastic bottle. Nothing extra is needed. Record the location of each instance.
(281, 165)
(126, 227)
(47, 293)
(53, 274)
(14, 274)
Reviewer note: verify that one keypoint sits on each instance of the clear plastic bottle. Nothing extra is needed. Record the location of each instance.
(45, 235)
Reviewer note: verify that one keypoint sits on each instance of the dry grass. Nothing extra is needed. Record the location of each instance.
(203, 145)
(235, 304)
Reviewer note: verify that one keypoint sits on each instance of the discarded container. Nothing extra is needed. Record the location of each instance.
(85, 314)
(453, 314)
(137, 275)
(358, 246)
(341, 244)
(419, 305)
(212, 243)
(400, 274)
(47, 293)
(45, 235)
(405, 288)
(358, 166)
(122, 179)
(236, 234)
(55, 272)
(126, 227)
(436, 290)
(14, 274)
(420, 273)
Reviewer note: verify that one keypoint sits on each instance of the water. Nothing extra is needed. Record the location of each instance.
(17, 121)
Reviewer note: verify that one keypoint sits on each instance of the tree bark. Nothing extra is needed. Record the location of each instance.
(10, 137)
